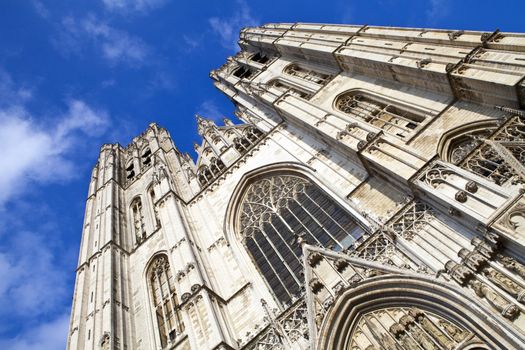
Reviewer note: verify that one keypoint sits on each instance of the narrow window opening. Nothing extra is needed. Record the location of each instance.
(260, 58)
(243, 73)
(146, 157)
(130, 171)
(165, 300)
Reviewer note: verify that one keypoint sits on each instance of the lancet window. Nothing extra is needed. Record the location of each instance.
(138, 220)
(394, 119)
(130, 171)
(307, 74)
(274, 211)
(408, 328)
(250, 136)
(207, 173)
(146, 157)
(204, 175)
(495, 153)
(165, 300)
(153, 200)
(285, 87)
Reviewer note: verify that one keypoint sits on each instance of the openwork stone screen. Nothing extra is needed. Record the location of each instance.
(307, 74)
(392, 119)
(164, 298)
(277, 208)
(496, 153)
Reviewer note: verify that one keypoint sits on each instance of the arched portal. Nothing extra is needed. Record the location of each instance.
(411, 312)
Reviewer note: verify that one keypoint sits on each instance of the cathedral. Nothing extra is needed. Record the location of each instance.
(371, 198)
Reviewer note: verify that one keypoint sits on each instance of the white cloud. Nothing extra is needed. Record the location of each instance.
(32, 153)
(128, 6)
(228, 28)
(115, 46)
(47, 336)
(35, 151)
(35, 267)
(209, 110)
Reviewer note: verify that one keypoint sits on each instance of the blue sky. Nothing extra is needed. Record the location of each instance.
(77, 74)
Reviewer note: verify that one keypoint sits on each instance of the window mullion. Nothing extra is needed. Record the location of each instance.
(271, 267)
(280, 256)
(320, 225)
(303, 225)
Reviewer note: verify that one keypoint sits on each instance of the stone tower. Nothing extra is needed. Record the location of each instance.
(372, 198)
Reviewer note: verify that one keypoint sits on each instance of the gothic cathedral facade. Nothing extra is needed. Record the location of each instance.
(372, 199)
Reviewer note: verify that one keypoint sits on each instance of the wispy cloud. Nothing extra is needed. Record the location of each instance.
(36, 271)
(41, 9)
(437, 10)
(33, 152)
(208, 109)
(191, 42)
(115, 46)
(228, 28)
(133, 6)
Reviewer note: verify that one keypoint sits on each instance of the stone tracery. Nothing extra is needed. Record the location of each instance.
(495, 153)
(277, 208)
(396, 328)
(165, 300)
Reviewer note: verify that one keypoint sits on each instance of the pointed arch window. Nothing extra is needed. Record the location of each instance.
(273, 211)
(165, 300)
(307, 74)
(204, 175)
(393, 119)
(494, 152)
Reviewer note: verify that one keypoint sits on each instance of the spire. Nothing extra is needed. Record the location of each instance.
(203, 124)
(227, 122)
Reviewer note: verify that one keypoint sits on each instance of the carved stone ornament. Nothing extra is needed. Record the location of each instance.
(361, 145)
(458, 272)
(471, 187)
(506, 308)
(461, 196)
(512, 265)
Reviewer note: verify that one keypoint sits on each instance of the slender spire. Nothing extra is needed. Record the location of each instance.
(203, 124)
(227, 122)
